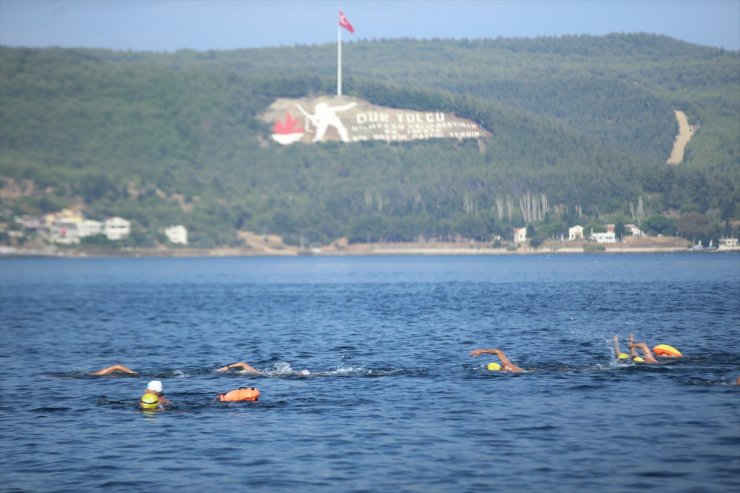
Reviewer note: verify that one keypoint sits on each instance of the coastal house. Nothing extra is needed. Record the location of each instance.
(64, 232)
(116, 228)
(68, 215)
(63, 226)
(634, 230)
(728, 244)
(177, 234)
(575, 233)
(88, 227)
(608, 237)
(520, 235)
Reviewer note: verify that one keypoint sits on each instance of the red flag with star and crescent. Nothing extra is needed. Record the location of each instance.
(344, 22)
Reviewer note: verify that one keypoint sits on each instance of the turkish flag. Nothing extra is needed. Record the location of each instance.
(343, 22)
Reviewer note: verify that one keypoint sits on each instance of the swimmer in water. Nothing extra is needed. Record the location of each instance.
(243, 366)
(114, 369)
(647, 354)
(154, 388)
(506, 364)
(621, 357)
(247, 368)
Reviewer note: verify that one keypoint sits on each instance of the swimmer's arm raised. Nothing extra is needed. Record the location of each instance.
(505, 361)
(478, 352)
(616, 346)
(646, 351)
(497, 352)
(631, 345)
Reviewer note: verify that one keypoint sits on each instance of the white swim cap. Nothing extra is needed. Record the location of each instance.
(155, 385)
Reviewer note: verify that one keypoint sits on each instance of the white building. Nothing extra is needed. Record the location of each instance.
(728, 243)
(608, 237)
(575, 233)
(177, 234)
(520, 235)
(88, 227)
(64, 232)
(116, 228)
(634, 230)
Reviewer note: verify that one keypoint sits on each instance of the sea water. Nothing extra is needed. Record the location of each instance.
(392, 400)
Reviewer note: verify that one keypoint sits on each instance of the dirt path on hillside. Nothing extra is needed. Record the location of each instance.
(685, 132)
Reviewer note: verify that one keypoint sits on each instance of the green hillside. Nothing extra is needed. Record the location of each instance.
(586, 123)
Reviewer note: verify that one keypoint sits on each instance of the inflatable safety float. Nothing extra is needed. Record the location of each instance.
(241, 394)
(666, 350)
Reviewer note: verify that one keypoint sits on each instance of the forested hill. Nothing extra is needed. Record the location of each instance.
(582, 126)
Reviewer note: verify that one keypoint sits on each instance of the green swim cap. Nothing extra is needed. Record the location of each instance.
(638, 359)
(623, 356)
(149, 401)
(494, 367)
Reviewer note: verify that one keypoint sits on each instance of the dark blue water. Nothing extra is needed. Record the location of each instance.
(393, 401)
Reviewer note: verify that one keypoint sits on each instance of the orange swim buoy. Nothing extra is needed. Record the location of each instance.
(667, 350)
(241, 394)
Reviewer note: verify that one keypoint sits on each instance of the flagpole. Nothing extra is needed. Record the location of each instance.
(339, 60)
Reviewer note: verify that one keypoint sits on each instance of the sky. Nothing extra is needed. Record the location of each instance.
(171, 25)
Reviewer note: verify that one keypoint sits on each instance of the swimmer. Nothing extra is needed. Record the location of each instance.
(155, 388)
(114, 369)
(647, 354)
(506, 364)
(245, 367)
(621, 357)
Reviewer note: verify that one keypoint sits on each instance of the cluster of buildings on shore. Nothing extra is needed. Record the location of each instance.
(576, 234)
(610, 236)
(68, 227)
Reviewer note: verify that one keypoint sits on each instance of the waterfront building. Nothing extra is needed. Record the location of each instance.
(520, 235)
(116, 228)
(575, 233)
(177, 234)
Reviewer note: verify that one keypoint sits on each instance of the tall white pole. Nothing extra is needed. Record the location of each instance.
(339, 60)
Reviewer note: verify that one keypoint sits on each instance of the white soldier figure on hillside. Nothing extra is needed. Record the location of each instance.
(325, 116)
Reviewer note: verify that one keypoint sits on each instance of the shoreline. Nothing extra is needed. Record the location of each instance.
(377, 250)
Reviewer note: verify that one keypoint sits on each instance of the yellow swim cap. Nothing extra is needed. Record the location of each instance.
(623, 356)
(494, 367)
(638, 359)
(149, 401)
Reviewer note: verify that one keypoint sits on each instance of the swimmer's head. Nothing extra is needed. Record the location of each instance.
(149, 401)
(638, 359)
(623, 356)
(155, 386)
(493, 367)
